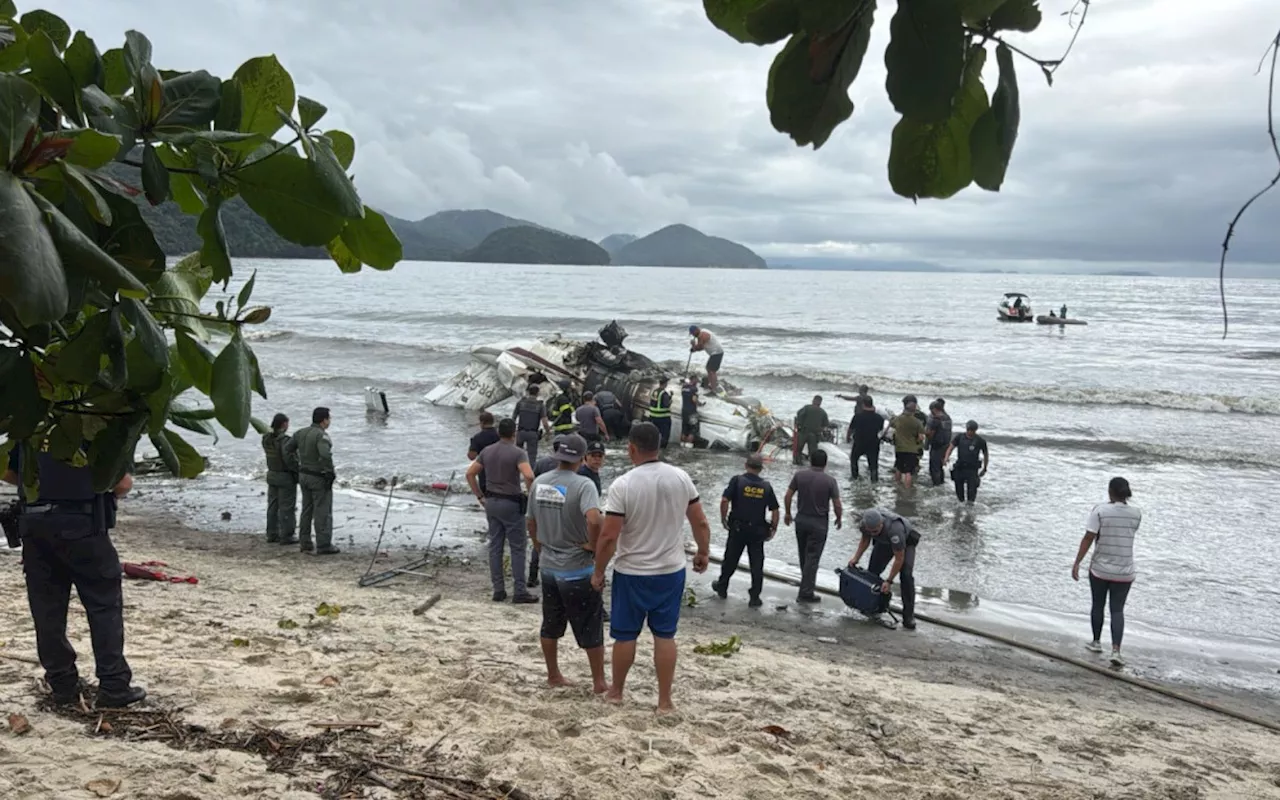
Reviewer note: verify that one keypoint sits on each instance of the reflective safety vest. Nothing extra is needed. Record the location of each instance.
(561, 412)
(659, 404)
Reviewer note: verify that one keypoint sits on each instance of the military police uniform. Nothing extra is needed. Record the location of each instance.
(660, 413)
(64, 544)
(314, 452)
(897, 535)
(751, 497)
(529, 414)
(282, 489)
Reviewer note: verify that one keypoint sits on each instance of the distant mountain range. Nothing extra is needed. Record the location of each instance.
(525, 244)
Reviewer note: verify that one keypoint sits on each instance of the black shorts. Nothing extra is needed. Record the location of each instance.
(713, 363)
(571, 602)
(906, 462)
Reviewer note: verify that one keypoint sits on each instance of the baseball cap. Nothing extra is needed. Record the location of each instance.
(572, 448)
(871, 518)
(755, 461)
(595, 448)
(971, 425)
(557, 441)
(693, 329)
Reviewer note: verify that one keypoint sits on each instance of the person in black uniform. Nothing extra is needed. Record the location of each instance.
(864, 430)
(971, 462)
(689, 411)
(65, 543)
(892, 538)
(660, 410)
(937, 434)
(591, 464)
(750, 496)
(531, 421)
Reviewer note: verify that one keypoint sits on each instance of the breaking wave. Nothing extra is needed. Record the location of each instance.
(1143, 451)
(376, 346)
(994, 390)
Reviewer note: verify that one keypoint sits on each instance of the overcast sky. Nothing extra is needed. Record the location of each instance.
(608, 116)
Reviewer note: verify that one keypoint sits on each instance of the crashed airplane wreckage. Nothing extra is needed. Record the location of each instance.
(727, 421)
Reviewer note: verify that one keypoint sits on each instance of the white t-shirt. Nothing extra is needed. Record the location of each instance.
(712, 347)
(1116, 525)
(653, 499)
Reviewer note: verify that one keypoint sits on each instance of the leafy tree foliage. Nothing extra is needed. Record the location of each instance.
(950, 133)
(99, 338)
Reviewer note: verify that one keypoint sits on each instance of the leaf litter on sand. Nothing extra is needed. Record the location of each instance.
(726, 648)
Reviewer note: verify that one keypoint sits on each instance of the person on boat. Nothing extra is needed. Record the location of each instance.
(1064, 311)
(1113, 525)
(706, 341)
(1052, 314)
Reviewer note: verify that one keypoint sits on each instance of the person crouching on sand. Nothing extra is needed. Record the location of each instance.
(644, 523)
(564, 523)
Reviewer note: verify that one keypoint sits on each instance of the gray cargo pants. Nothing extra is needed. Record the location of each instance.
(529, 441)
(506, 525)
(317, 505)
(811, 540)
(282, 506)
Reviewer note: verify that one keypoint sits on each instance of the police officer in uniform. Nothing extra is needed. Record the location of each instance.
(561, 409)
(282, 483)
(972, 458)
(531, 420)
(938, 435)
(892, 538)
(660, 410)
(314, 452)
(749, 496)
(65, 543)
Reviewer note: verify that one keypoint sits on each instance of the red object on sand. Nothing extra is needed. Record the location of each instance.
(141, 572)
(441, 485)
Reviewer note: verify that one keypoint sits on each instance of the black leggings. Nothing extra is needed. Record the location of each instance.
(1119, 592)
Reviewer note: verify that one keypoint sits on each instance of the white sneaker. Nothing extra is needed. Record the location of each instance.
(1094, 647)
(1117, 660)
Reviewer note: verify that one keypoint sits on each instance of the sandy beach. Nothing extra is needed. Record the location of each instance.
(241, 665)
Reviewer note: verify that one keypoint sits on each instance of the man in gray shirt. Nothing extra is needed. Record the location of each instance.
(504, 465)
(590, 422)
(565, 520)
(818, 493)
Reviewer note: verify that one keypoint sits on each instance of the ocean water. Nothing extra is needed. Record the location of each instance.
(1148, 390)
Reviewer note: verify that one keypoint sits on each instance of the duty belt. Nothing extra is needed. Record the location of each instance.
(61, 508)
(528, 430)
(515, 498)
(315, 473)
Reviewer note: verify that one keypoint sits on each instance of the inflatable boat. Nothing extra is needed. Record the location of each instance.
(1043, 320)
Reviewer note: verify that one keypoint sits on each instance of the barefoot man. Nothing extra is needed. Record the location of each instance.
(644, 523)
(564, 522)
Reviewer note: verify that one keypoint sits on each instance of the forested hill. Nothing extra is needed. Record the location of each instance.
(529, 245)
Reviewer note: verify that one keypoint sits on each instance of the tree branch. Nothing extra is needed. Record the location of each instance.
(1274, 50)
(273, 153)
(1048, 66)
(179, 170)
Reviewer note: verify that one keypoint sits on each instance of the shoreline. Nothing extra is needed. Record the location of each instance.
(927, 714)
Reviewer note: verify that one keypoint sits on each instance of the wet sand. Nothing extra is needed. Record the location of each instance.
(929, 714)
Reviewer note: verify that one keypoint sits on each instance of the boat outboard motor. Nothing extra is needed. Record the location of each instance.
(613, 335)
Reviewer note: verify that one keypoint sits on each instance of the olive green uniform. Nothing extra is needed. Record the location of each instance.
(315, 465)
(811, 421)
(282, 489)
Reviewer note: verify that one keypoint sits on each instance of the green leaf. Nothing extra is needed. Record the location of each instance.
(53, 77)
(726, 648)
(115, 72)
(342, 255)
(22, 407)
(193, 424)
(187, 138)
(1017, 15)
(111, 116)
(925, 59)
(344, 147)
(809, 81)
(287, 192)
(933, 159)
(155, 176)
(190, 101)
(86, 192)
(773, 21)
(257, 315)
(80, 360)
(333, 176)
(92, 149)
(85, 62)
(730, 16)
(181, 188)
(246, 291)
(258, 385)
(166, 452)
(53, 26)
(228, 118)
(213, 249)
(19, 113)
(186, 460)
(111, 454)
(130, 241)
(145, 375)
(146, 332)
(82, 254)
(118, 361)
(178, 293)
(264, 85)
(232, 385)
(8, 10)
(137, 58)
(993, 136)
(310, 112)
(821, 18)
(67, 438)
(977, 12)
(197, 360)
(13, 55)
(372, 241)
(31, 277)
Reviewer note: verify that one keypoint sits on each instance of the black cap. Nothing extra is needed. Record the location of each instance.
(595, 448)
(563, 383)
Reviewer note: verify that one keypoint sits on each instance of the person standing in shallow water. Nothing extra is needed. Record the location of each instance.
(1113, 527)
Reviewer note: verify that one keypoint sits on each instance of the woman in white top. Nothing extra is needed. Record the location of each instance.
(1113, 526)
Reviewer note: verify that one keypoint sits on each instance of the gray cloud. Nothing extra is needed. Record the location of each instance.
(604, 116)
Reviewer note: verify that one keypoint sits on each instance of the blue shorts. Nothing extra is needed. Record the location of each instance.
(636, 598)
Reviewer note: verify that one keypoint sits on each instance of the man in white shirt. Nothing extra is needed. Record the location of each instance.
(644, 523)
(706, 341)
